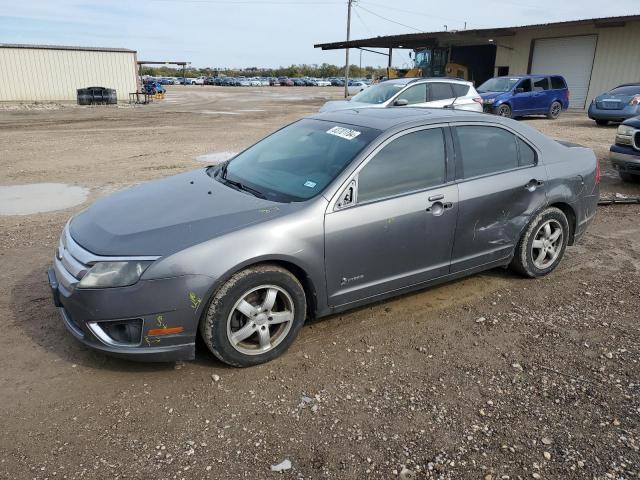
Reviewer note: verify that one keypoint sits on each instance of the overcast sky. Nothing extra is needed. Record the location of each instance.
(269, 33)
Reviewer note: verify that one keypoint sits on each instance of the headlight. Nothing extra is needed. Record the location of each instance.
(113, 274)
(490, 101)
(625, 130)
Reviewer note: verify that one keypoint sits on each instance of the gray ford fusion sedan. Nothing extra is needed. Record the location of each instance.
(331, 212)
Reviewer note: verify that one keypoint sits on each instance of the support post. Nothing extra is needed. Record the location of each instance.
(346, 68)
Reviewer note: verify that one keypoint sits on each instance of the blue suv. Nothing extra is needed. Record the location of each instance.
(520, 95)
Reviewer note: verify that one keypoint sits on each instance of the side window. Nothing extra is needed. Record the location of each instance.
(525, 85)
(412, 162)
(541, 84)
(439, 91)
(460, 90)
(486, 150)
(527, 156)
(557, 83)
(415, 94)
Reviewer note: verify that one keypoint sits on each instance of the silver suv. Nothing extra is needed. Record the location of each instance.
(414, 92)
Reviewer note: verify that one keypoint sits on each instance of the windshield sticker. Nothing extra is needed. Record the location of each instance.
(342, 132)
(310, 184)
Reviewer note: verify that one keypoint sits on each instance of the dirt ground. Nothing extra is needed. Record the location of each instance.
(491, 377)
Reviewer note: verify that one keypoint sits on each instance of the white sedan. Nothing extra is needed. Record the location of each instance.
(356, 87)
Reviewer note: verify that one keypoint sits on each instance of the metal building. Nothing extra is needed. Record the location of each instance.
(48, 73)
(594, 55)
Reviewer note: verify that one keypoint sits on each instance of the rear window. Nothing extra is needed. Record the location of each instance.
(486, 150)
(460, 90)
(557, 83)
(540, 84)
(439, 91)
(627, 90)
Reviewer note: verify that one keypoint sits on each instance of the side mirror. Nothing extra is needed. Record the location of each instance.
(401, 102)
(519, 90)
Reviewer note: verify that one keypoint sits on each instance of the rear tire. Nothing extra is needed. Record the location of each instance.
(542, 245)
(554, 110)
(255, 316)
(602, 123)
(504, 110)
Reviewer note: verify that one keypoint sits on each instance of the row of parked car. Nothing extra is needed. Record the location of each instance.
(360, 84)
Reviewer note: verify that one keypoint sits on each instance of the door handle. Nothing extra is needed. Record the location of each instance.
(438, 208)
(435, 198)
(533, 184)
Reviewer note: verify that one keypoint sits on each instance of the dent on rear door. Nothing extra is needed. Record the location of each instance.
(492, 215)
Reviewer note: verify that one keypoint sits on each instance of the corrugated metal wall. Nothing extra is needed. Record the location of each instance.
(37, 74)
(617, 58)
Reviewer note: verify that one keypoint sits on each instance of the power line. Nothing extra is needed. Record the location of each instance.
(389, 20)
(413, 12)
(253, 2)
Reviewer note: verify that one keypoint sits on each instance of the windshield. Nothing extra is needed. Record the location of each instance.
(378, 93)
(626, 90)
(297, 162)
(500, 84)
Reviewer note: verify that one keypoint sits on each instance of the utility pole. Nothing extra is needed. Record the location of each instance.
(346, 69)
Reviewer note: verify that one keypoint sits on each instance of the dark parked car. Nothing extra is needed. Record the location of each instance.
(286, 82)
(521, 95)
(625, 153)
(299, 82)
(334, 211)
(616, 105)
(337, 82)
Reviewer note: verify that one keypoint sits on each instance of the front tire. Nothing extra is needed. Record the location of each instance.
(554, 110)
(542, 245)
(504, 110)
(255, 316)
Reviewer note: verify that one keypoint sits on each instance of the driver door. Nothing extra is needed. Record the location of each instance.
(393, 224)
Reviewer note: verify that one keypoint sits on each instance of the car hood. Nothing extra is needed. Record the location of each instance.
(491, 95)
(633, 122)
(334, 105)
(165, 216)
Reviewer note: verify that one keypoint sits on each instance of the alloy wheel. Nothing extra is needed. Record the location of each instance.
(547, 244)
(260, 320)
(555, 110)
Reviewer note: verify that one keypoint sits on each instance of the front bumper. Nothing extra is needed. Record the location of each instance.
(625, 159)
(157, 304)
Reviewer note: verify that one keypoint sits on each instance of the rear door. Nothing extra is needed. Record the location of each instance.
(501, 185)
(393, 224)
(523, 102)
(542, 95)
(439, 94)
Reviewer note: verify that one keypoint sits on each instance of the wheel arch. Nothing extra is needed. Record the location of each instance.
(297, 270)
(570, 213)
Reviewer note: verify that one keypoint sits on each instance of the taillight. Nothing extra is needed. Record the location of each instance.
(478, 100)
(597, 172)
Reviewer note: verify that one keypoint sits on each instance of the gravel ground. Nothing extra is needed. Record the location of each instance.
(490, 377)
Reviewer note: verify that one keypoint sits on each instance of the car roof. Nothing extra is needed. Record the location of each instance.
(387, 118)
(408, 80)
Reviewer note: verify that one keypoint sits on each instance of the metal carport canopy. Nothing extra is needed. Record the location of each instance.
(463, 37)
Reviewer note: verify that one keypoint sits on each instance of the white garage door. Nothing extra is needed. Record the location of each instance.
(571, 57)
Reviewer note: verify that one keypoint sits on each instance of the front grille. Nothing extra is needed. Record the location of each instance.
(69, 268)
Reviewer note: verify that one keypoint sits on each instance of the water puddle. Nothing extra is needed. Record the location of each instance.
(215, 157)
(39, 198)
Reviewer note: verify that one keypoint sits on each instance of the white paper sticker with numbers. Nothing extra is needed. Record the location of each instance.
(342, 132)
